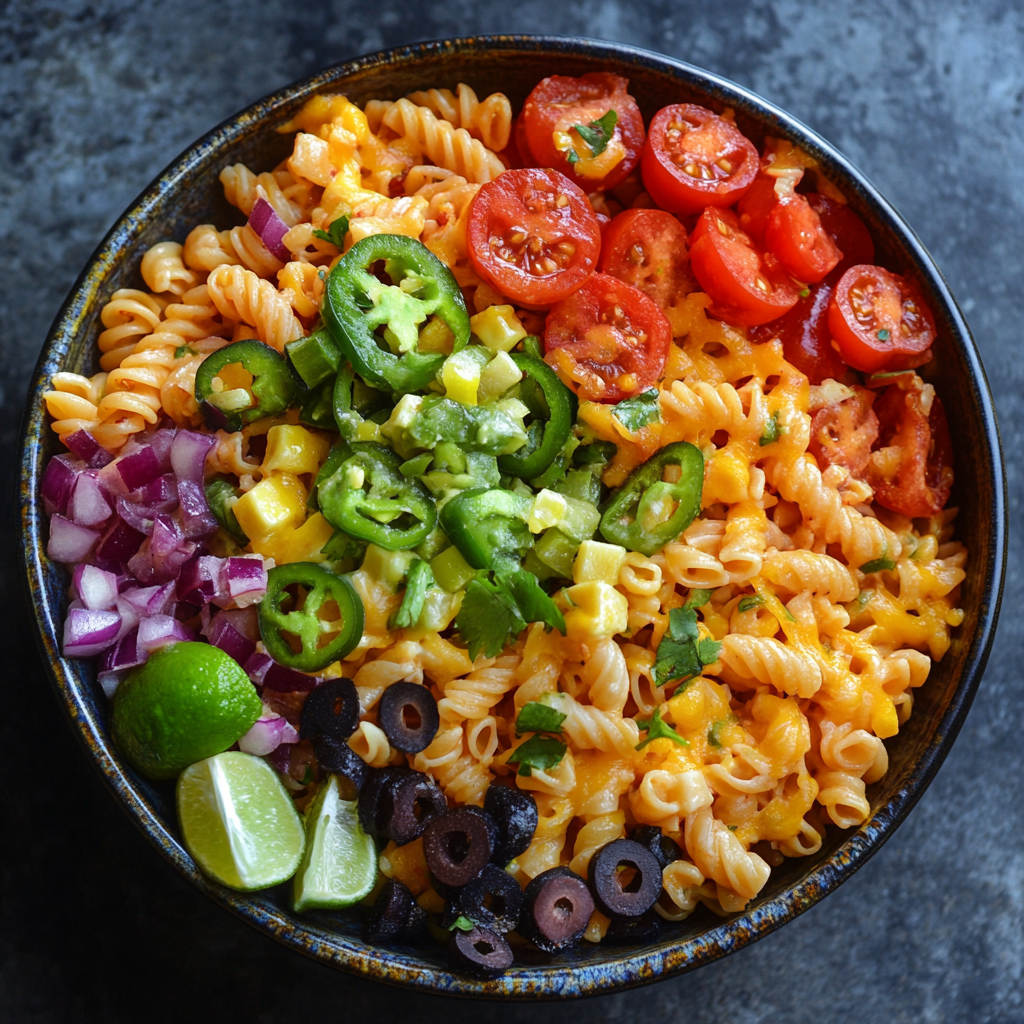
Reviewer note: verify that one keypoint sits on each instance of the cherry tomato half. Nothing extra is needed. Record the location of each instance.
(559, 103)
(756, 205)
(533, 236)
(806, 341)
(608, 338)
(843, 433)
(912, 470)
(647, 249)
(694, 158)
(794, 233)
(879, 321)
(746, 286)
(846, 229)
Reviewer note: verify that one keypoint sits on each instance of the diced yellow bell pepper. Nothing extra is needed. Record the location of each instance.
(498, 376)
(460, 376)
(275, 503)
(598, 562)
(294, 449)
(547, 509)
(304, 544)
(498, 328)
(596, 610)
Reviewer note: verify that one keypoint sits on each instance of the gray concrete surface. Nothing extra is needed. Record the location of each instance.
(96, 97)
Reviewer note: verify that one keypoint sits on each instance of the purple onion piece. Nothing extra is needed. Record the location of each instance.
(271, 229)
(196, 516)
(124, 654)
(151, 600)
(88, 505)
(160, 630)
(223, 634)
(188, 454)
(166, 537)
(70, 542)
(161, 441)
(82, 444)
(120, 542)
(138, 517)
(139, 467)
(88, 632)
(58, 482)
(199, 580)
(161, 494)
(264, 737)
(287, 680)
(96, 589)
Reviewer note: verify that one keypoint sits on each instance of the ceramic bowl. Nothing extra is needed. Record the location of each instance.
(188, 193)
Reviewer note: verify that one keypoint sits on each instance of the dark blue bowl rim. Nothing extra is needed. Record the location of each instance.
(557, 980)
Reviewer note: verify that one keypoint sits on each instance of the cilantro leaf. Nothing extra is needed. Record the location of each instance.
(534, 605)
(572, 156)
(750, 601)
(877, 565)
(708, 650)
(540, 752)
(640, 411)
(681, 653)
(183, 350)
(463, 923)
(772, 430)
(538, 717)
(698, 598)
(489, 614)
(418, 581)
(682, 624)
(659, 730)
(715, 733)
(598, 133)
(335, 233)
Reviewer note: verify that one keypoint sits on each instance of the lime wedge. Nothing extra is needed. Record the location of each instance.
(340, 863)
(238, 821)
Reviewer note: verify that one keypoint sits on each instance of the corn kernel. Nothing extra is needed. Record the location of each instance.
(276, 502)
(498, 376)
(304, 544)
(460, 376)
(547, 509)
(598, 610)
(294, 449)
(598, 562)
(498, 328)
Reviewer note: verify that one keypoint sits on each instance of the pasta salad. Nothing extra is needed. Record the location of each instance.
(539, 520)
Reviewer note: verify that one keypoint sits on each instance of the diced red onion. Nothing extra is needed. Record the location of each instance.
(244, 580)
(196, 516)
(96, 589)
(58, 482)
(265, 736)
(70, 542)
(166, 536)
(133, 470)
(265, 672)
(88, 506)
(199, 580)
(188, 454)
(129, 618)
(109, 682)
(160, 630)
(161, 494)
(138, 517)
(230, 640)
(87, 448)
(161, 441)
(124, 654)
(271, 229)
(119, 543)
(281, 757)
(87, 632)
(151, 600)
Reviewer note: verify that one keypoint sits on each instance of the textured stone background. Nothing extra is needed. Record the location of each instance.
(97, 97)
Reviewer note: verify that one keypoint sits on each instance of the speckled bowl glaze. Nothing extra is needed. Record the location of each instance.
(188, 193)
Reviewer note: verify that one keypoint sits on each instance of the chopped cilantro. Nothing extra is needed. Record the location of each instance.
(772, 430)
(804, 292)
(732, 828)
(540, 752)
(680, 656)
(538, 717)
(715, 733)
(335, 233)
(307, 775)
(750, 601)
(877, 565)
(572, 156)
(640, 411)
(418, 581)
(533, 603)
(183, 350)
(656, 729)
(708, 650)
(463, 923)
(598, 133)
(883, 335)
(863, 599)
(698, 598)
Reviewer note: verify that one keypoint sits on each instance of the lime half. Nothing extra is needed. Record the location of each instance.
(239, 822)
(340, 864)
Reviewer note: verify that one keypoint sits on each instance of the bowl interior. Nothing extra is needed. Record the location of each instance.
(188, 193)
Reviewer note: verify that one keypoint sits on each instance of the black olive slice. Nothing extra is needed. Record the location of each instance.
(515, 813)
(416, 925)
(371, 796)
(642, 889)
(338, 758)
(557, 910)
(650, 837)
(407, 806)
(390, 913)
(332, 709)
(493, 900)
(458, 844)
(481, 953)
(407, 713)
(634, 931)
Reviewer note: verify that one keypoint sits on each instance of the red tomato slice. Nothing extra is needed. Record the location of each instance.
(755, 205)
(608, 339)
(559, 103)
(806, 341)
(796, 236)
(879, 321)
(647, 249)
(843, 433)
(912, 470)
(846, 229)
(694, 158)
(533, 236)
(746, 286)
